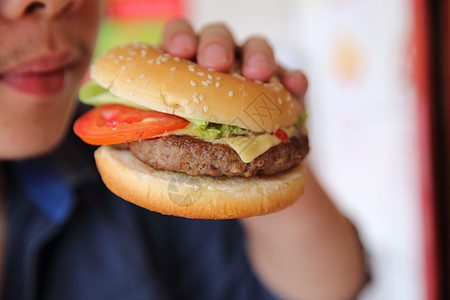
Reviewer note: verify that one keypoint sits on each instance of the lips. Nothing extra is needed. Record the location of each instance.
(43, 76)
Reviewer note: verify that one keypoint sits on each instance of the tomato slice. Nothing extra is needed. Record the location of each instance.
(281, 134)
(115, 123)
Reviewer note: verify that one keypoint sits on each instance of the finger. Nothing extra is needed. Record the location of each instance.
(179, 39)
(295, 81)
(216, 48)
(258, 60)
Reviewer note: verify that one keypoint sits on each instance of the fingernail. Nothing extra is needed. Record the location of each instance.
(182, 42)
(258, 60)
(214, 54)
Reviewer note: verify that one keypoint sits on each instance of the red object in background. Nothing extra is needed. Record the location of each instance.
(141, 9)
(432, 77)
(422, 81)
(446, 80)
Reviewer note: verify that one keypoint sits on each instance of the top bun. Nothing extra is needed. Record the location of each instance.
(149, 77)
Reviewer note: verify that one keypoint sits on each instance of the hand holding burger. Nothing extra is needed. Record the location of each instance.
(310, 244)
(170, 119)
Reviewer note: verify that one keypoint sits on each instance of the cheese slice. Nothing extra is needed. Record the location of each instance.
(248, 148)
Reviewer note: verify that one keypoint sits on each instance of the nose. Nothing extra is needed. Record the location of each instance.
(15, 9)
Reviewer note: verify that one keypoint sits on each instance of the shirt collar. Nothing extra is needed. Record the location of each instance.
(50, 181)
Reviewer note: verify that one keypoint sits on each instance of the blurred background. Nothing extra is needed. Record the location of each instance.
(368, 106)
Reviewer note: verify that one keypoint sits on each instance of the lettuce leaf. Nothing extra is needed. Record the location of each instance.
(213, 130)
(92, 93)
(302, 117)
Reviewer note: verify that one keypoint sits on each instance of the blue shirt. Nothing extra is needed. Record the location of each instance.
(70, 238)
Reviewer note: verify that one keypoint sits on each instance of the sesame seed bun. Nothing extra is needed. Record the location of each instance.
(201, 197)
(149, 77)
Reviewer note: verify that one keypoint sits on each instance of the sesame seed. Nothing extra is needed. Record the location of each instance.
(143, 53)
(195, 100)
(131, 93)
(173, 68)
(213, 119)
(164, 59)
(176, 58)
(150, 61)
(210, 77)
(280, 101)
(209, 81)
(201, 97)
(116, 61)
(124, 67)
(217, 84)
(205, 83)
(145, 82)
(195, 94)
(186, 100)
(231, 93)
(201, 73)
(218, 77)
(258, 81)
(129, 58)
(114, 129)
(111, 55)
(288, 98)
(205, 108)
(158, 62)
(128, 80)
(191, 68)
(211, 69)
(142, 76)
(120, 56)
(190, 111)
(210, 188)
(193, 83)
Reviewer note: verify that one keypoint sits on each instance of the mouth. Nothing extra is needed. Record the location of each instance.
(43, 76)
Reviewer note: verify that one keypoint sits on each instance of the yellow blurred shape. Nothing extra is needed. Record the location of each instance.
(347, 60)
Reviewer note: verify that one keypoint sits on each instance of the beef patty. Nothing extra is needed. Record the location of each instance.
(183, 153)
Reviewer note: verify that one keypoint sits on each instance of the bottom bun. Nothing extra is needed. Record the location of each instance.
(199, 197)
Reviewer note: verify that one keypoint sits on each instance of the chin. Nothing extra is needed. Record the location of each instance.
(32, 130)
(27, 146)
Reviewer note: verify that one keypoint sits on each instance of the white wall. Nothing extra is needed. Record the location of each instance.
(362, 118)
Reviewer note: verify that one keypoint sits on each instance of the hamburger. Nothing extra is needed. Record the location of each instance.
(183, 140)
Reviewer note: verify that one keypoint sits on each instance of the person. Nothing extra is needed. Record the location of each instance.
(65, 236)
